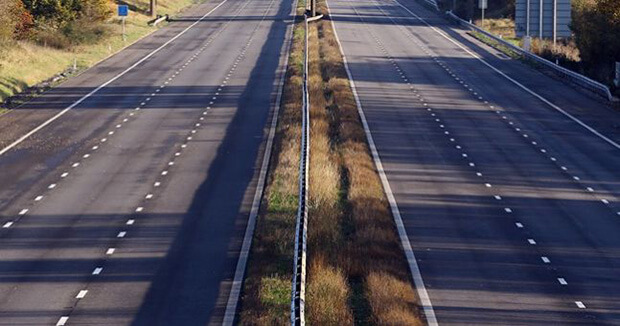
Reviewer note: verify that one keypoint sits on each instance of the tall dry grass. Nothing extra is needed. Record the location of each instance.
(357, 273)
(328, 288)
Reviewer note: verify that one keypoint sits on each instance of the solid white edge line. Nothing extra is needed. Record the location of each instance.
(425, 300)
(76, 103)
(244, 254)
(540, 97)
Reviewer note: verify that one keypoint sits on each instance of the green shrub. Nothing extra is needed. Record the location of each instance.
(52, 38)
(57, 14)
(596, 25)
(83, 31)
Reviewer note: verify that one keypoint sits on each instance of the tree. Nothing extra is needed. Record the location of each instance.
(15, 20)
(596, 25)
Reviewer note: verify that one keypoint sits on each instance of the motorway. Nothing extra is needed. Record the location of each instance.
(512, 207)
(127, 204)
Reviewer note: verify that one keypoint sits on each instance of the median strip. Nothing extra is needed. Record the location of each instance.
(357, 270)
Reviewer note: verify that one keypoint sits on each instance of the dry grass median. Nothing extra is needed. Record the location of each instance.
(357, 272)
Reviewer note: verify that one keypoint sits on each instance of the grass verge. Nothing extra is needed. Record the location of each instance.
(357, 273)
(25, 64)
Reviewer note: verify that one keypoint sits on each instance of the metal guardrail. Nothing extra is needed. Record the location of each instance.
(158, 20)
(571, 76)
(298, 295)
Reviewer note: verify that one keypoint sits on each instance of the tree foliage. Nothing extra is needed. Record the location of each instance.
(15, 21)
(61, 12)
(596, 25)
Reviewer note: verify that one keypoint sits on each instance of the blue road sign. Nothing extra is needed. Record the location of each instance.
(123, 10)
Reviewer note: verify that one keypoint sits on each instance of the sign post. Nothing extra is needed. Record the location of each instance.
(123, 11)
(617, 79)
(482, 4)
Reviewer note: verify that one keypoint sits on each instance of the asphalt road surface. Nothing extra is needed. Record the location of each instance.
(130, 208)
(511, 207)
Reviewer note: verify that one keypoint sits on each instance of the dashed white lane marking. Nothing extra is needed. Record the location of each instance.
(62, 321)
(164, 172)
(488, 185)
(81, 294)
(545, 259)
(38, 198)
(7, 225)
(97, 270)
(157, 184)
(531, 241)
(52, 186)
(523, 87)
(562, 281)
(65, 174)
(148, 196)
(121, 234)
(110, 251)
(139, 209)
(479, 174)
(86, 156)
(508, 210)
(590, 189)
(23, 211)
(519, 225)
(130, 221)
(498, 197)
(580, 305)
(75, 165)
